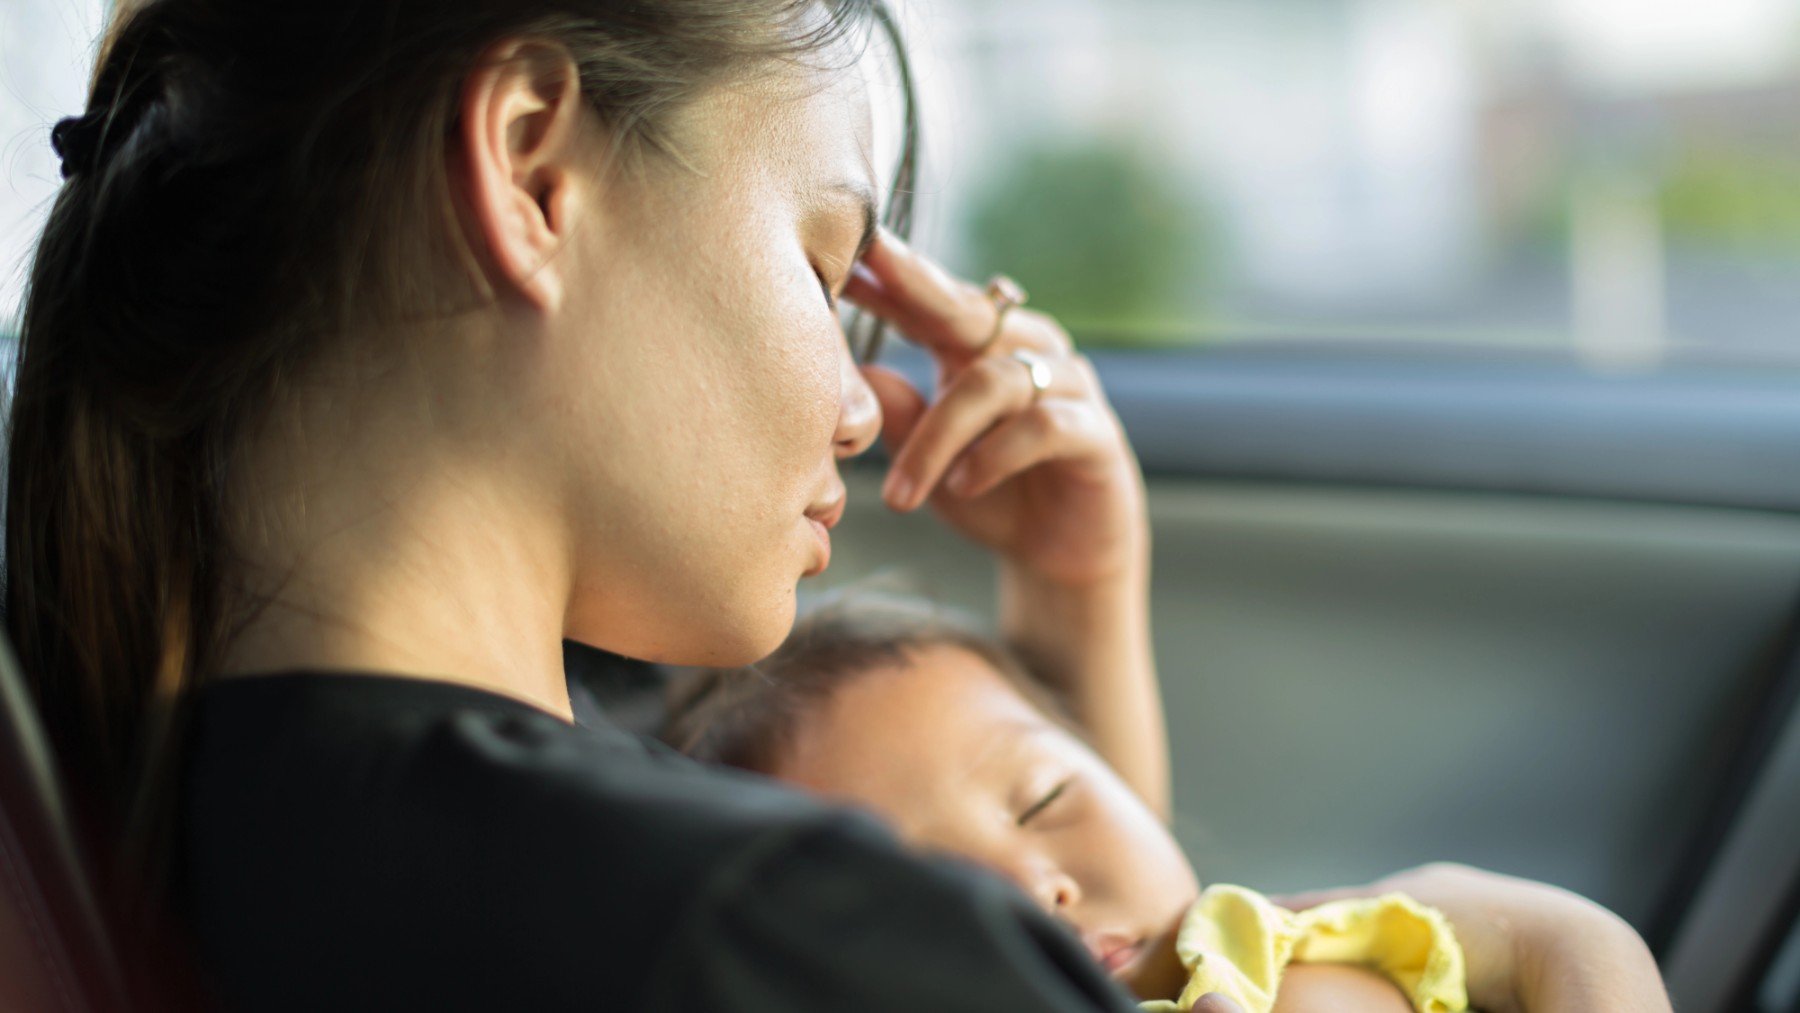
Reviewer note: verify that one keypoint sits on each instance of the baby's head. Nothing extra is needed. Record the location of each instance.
(891, 706)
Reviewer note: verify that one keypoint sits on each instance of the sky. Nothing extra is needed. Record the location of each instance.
(1639, 44)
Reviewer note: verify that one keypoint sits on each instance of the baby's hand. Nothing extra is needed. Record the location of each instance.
(1328, 988)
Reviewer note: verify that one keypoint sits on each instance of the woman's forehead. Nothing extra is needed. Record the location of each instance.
(810, 127)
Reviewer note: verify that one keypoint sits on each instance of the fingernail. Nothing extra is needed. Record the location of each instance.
(898, 491)
(889, 239)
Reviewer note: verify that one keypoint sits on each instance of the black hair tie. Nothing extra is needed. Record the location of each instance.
(77, 142)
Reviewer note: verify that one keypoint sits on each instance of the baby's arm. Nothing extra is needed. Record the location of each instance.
(1329, 988)
(1092, 646)
(1090, 640)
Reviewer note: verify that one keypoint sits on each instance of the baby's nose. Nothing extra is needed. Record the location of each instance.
(1058, 892)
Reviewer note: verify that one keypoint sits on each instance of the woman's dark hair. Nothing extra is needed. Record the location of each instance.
(747, 717)
(249, 180)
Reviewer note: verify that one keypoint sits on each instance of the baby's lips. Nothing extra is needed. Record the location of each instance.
(1113, 950)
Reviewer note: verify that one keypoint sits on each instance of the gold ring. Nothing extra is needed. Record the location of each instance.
(1038, 368)
(1004, 293)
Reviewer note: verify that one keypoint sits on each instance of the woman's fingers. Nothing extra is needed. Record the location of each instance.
(986, 391)
(901, 405)
(990, 390)
(951, 318)
(1442, 877)
(1213, 1002)
(928, 304)
(1057, 429)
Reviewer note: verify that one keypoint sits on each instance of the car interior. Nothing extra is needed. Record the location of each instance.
(1441, 608)
(1507, 611)
(1508, 603)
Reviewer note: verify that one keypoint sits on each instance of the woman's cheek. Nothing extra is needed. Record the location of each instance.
(784, 385)
(819, 384)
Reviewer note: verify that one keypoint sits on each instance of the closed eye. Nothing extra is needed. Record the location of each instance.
(1041, 804)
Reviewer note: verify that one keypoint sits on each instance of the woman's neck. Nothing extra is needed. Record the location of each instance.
(384, 534)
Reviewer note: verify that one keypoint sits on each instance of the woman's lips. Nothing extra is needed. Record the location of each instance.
(823, 532)
(823, 519)
(829, 515)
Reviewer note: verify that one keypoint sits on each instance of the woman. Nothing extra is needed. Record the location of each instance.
(372, 349)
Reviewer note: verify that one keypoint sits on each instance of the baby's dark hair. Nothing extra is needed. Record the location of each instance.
(747, 717)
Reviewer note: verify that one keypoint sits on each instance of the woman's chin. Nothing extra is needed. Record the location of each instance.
(748, 647)
(705, 639)
(751, 637)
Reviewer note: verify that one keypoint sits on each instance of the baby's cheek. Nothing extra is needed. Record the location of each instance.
(1156, 882)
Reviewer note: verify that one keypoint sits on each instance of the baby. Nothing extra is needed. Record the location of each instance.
(944, 734)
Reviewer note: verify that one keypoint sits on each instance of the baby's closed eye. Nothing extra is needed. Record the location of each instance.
(1043, 801)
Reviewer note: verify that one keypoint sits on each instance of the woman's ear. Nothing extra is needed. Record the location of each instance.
(521, 145)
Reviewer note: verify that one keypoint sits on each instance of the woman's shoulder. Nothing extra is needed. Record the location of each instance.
(427, 763)
(380, 832)
(335, 815)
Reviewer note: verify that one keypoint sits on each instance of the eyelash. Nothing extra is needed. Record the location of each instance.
(825, 287)
(1041, 804)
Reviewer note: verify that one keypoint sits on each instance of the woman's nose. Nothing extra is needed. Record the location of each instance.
(859, 413)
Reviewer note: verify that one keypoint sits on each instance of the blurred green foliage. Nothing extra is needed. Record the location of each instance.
(1743, 201)
(1104, 235)
(1739, 200)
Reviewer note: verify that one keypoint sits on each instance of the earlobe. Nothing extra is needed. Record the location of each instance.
(521, 128)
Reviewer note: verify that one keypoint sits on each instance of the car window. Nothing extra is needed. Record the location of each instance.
(1596, 174)
(46, 47)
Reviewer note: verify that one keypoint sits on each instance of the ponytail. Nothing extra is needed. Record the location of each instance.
(112, 512)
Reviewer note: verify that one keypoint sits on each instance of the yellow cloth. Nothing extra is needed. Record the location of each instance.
(1236, 942)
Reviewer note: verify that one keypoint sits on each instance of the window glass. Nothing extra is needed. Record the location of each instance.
(46, 48)
(1621, 176)
(1618, 175)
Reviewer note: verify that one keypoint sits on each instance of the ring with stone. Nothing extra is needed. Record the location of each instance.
(1005, 294)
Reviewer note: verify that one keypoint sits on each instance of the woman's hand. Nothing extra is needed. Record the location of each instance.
(1048, 481)
(1328, 988)
(1528, 946)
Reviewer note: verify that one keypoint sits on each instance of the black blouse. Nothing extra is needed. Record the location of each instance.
(369, 842)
